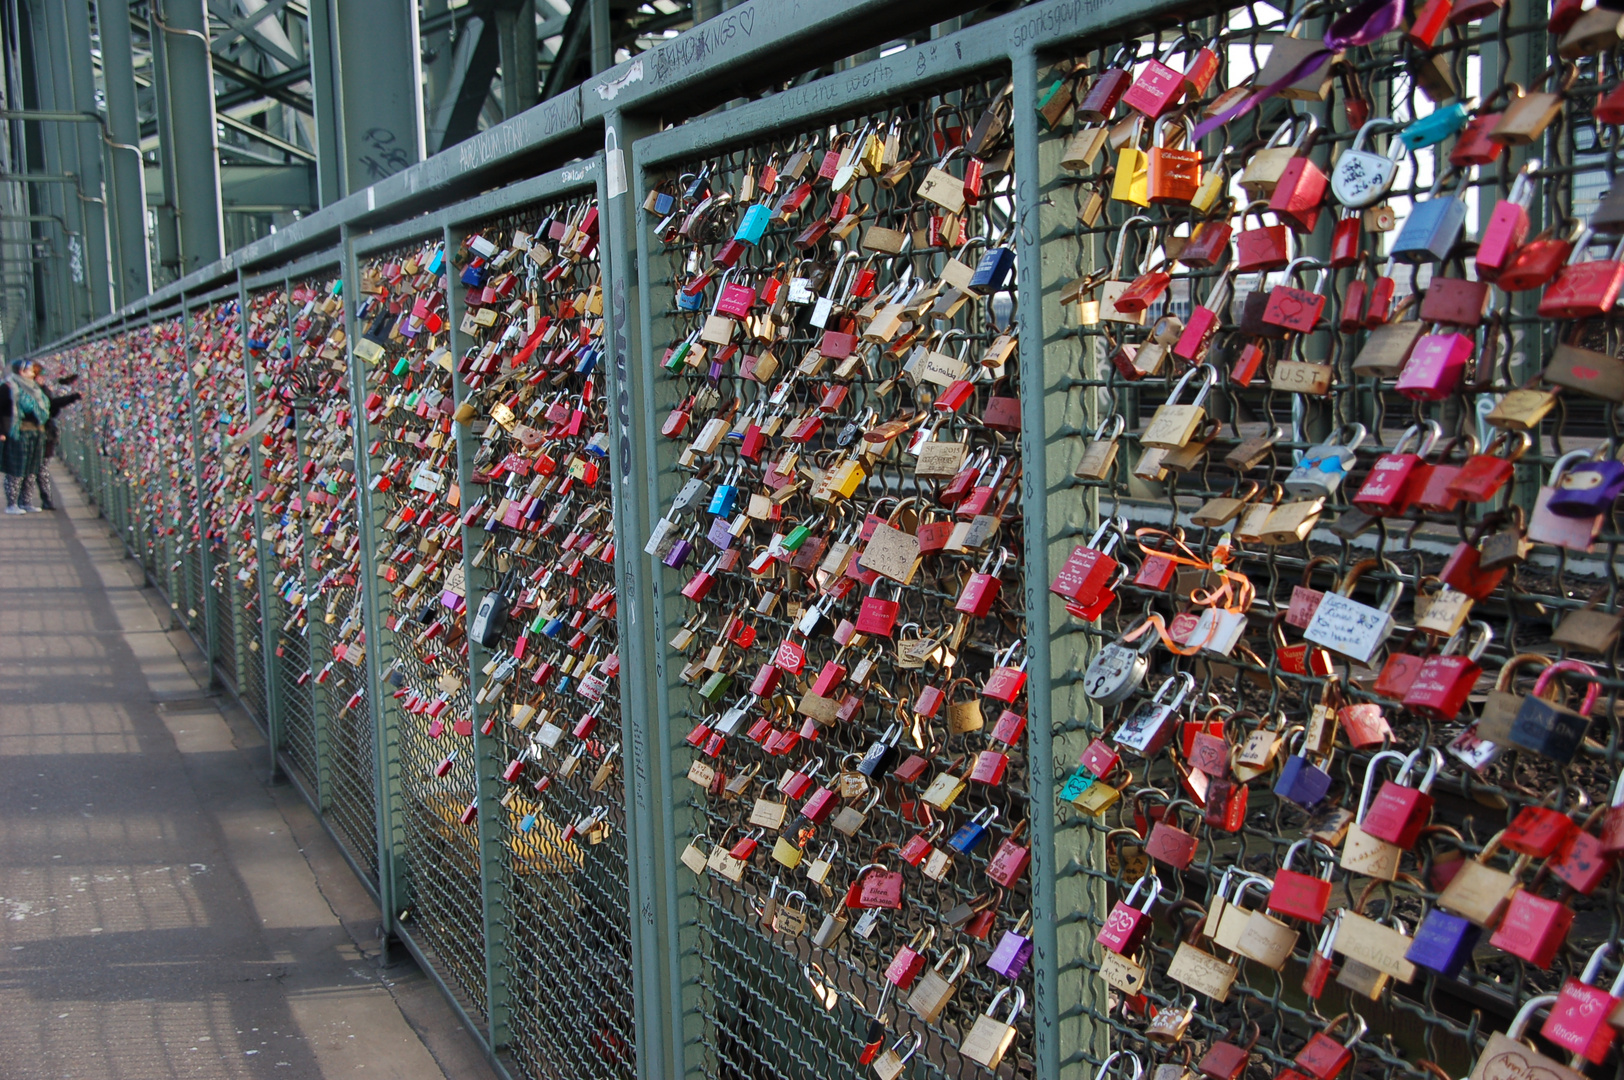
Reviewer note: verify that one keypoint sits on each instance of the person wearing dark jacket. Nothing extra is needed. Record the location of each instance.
(26, 412)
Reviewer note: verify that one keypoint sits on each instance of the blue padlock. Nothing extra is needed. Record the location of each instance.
(726, 494)
(690, 301)
(663, 202)
(554, 627)
(1302, 782)
(972, 832)
(1432, 228)
(474, 276)
(1443, 943)
(1436, 126)
(433, 267)
(753, 225)
(992, 272)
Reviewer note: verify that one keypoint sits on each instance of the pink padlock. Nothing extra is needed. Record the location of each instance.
(1435, 367)
(1127, 926)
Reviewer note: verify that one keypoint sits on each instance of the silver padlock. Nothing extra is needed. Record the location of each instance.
(1361, 178)
(1324, 467)
(1116, 672)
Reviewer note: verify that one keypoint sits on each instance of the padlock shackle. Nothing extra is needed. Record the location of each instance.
(1519, 1023)
(1105, 1066)
(1592, 690)
(1435, 761)
(1122, 233)
(1353, 1018)
(1115, 422)
(1370, 777)
(1015, 1010)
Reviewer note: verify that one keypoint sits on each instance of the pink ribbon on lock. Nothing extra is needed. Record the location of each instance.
(1366, 23)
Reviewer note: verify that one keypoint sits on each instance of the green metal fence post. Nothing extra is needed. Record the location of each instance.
(385, 744)
(491, 857)
(274, 706)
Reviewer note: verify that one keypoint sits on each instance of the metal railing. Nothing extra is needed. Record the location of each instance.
(329, 465)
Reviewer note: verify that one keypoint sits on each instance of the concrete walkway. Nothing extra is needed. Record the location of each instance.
(163, 912)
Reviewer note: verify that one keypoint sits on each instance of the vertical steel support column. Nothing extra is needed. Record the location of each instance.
(268, 630)
(516, 41)
(385, 746)
(127, 197)
(61, 156)
(659, 963)
(380, 88)
(324, 98)
(191, 119)
(487, 760)
(92, 185)
(603, 45)
(1048, 357)
(167, 236)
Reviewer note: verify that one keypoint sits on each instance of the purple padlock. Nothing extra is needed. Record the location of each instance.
(1588, 490)
(1014, 950)
(720, 534)
(678, 555)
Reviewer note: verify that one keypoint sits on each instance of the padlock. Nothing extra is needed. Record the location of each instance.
(911, 959)
(1536, 262)
(893, 1062)
(1534, 928)
(1126, 927)
(1436, 366)
(1170, 1023)
(1204, 322)
(1399, 813)
(1362, 177)
(1174, 175)
(1225, 1059)
(1149, 727)
(1445, 679)
(1099, 102)
(1507, 226)
(1584, 290)
(1158, 86)
(1115, 286)
(1297, 310)
(1526, 117)
(1346, 626)
(968, 836)
(936, 987)
(1363, 853)
(1443, 943)
(989, 1038)
(1299, 193)
(1130, 181)
(1323, 467)
(1263, 249)
(1588, 489)
(1302, 781)
(1479, 892)
(1170, 844)
(1507, 1054)
(981, 590)
(1580, 1017)
(1549, 728)
(1118, 668)
(1008, 862)
(1322, 1057)
(1300, 895)
(1304, 598)
(1433, 227)
(1321, 962)
(1099, 454)
(1291, 139)
(1173, 423)
(849, 819)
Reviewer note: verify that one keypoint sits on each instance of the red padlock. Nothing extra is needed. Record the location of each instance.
(1009, 861)
(910, 960)
(1208, 245)
(1584, 290)
(1398, 813)
(1535, 262)
(1262, 249)
(1538, 831)
(1170, 844)
(877, 615)
(1347, 241)
(1293, 309)
(1299, 895)
(1384, 490)
(1323, 1058)
(1483, 475)
(1088, 569)
(1204, 322)
(1444, 680)
(1463, 571)
(1126, 927)
(981, 590)
(1300, 194)
(1581, 863)
(1158, 86)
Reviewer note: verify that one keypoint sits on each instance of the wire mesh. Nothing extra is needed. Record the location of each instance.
(539, 499)
(1433, 1018)
(846, 223)
(412, 473)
